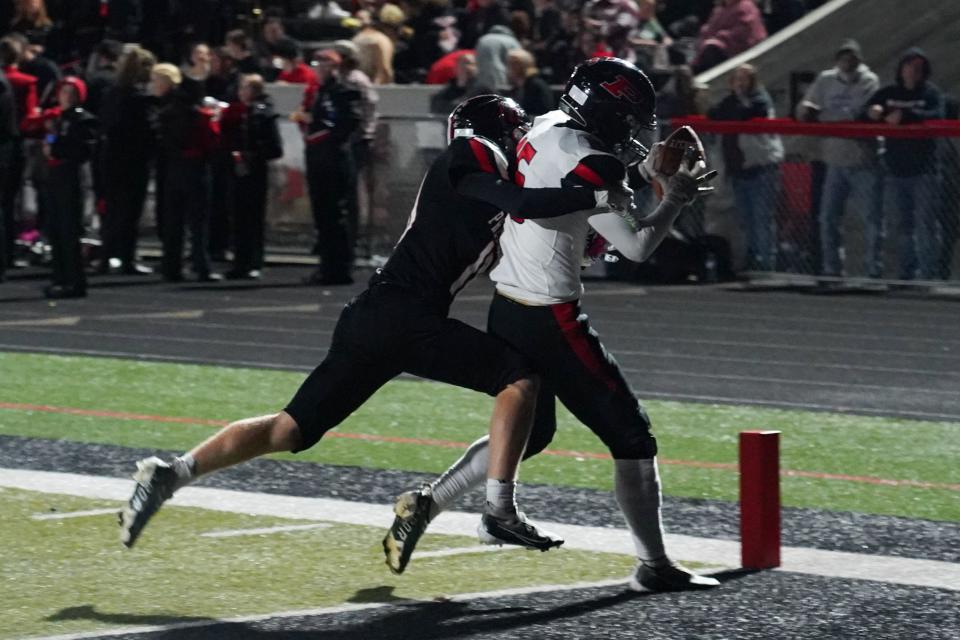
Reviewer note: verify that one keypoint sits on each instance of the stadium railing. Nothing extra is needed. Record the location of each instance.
(794, 205)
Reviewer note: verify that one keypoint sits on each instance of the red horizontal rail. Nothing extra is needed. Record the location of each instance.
(789, 127)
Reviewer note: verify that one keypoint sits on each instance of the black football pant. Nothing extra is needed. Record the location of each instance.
(65, 225)
(388, 330)
(576, 369)
(331, 179)
(250, 198)
(184, 202)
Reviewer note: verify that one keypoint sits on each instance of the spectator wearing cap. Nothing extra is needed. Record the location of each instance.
(852, 174)
(126, 155)
(238, 45)
(293, 70)
(187, 136)
(528, 87)
(733, 27)
(464, 85)
(69, 144)
(24, 88)
(330, 125)
(375, 44)
(252, 138)
(752, 163)
(912, 164)
(492, 50)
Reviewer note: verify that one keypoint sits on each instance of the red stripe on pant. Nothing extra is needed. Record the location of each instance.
(566, 315)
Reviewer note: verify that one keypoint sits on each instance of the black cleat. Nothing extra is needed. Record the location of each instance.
(412, 511)
(156, 482)
(515, 530)
(669, 577)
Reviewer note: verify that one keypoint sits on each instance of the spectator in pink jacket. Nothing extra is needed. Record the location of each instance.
(733, 27)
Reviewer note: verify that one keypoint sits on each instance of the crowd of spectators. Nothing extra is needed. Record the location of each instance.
(174, 90)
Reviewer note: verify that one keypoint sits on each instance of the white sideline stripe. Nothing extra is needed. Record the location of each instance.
(725, 553)
(459, 597)
(233, 533)
(73, 514)
(456, 551)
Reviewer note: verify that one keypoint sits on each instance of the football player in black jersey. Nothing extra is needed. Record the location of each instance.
(400, 324)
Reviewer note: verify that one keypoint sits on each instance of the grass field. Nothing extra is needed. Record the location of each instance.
(815, 443)
(98, 585)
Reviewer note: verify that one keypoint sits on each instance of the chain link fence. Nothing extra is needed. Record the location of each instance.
(836, 201)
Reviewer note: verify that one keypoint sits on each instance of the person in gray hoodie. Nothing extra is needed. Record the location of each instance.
(912, 163)
(853, 175)
(491, 52)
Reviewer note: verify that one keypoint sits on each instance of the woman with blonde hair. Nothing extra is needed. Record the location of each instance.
(752, 163)
(126, 158)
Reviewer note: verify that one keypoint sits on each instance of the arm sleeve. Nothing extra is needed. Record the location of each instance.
(596, 172)
(633, 244)
(528, 203)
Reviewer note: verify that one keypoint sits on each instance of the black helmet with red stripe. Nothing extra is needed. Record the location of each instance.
(500, 120)
(615, 101)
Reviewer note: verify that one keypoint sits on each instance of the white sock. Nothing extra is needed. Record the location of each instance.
(637, 489)
(465, 474)
(186, 469)
(501, 497)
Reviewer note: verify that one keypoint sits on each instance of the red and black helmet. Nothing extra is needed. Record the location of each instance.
(500, 120)
(615, 101)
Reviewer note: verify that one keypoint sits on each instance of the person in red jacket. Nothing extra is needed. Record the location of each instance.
(24, 89)
(187, 136)
(295, 70)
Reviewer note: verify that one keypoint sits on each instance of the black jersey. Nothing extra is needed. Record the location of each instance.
(458, 216)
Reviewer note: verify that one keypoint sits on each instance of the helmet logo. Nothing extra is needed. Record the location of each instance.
(622, 88)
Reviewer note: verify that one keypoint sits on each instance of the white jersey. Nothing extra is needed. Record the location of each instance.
(542, 259)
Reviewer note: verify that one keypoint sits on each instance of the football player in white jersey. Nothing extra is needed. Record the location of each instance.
(590, 141)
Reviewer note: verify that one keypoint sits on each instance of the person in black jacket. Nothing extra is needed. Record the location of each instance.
(187, 136)
(330, 124)
(752, 164)
(125, 161)
(9, 132)
(253, 139)
(912, 163)
(70, 144)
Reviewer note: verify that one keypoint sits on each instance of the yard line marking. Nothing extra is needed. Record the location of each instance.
(73, 514)
(186, 314)
(452, 444)
(456, 551)
(345, 608)
(60, 321)
(709, 551)
(235, 533)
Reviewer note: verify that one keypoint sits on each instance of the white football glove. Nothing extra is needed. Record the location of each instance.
(617, 197)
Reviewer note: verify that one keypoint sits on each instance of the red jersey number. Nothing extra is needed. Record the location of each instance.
(525, 153)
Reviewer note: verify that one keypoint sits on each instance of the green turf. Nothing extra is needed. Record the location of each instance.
(72, 575)
(816, 442)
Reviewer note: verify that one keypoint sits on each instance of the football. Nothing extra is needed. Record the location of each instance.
(682, 144)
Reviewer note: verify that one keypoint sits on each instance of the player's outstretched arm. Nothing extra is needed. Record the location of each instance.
(638, 244)
(540, 203)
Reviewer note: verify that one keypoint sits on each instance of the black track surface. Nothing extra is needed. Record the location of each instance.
(888, 354)
(885, 354)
